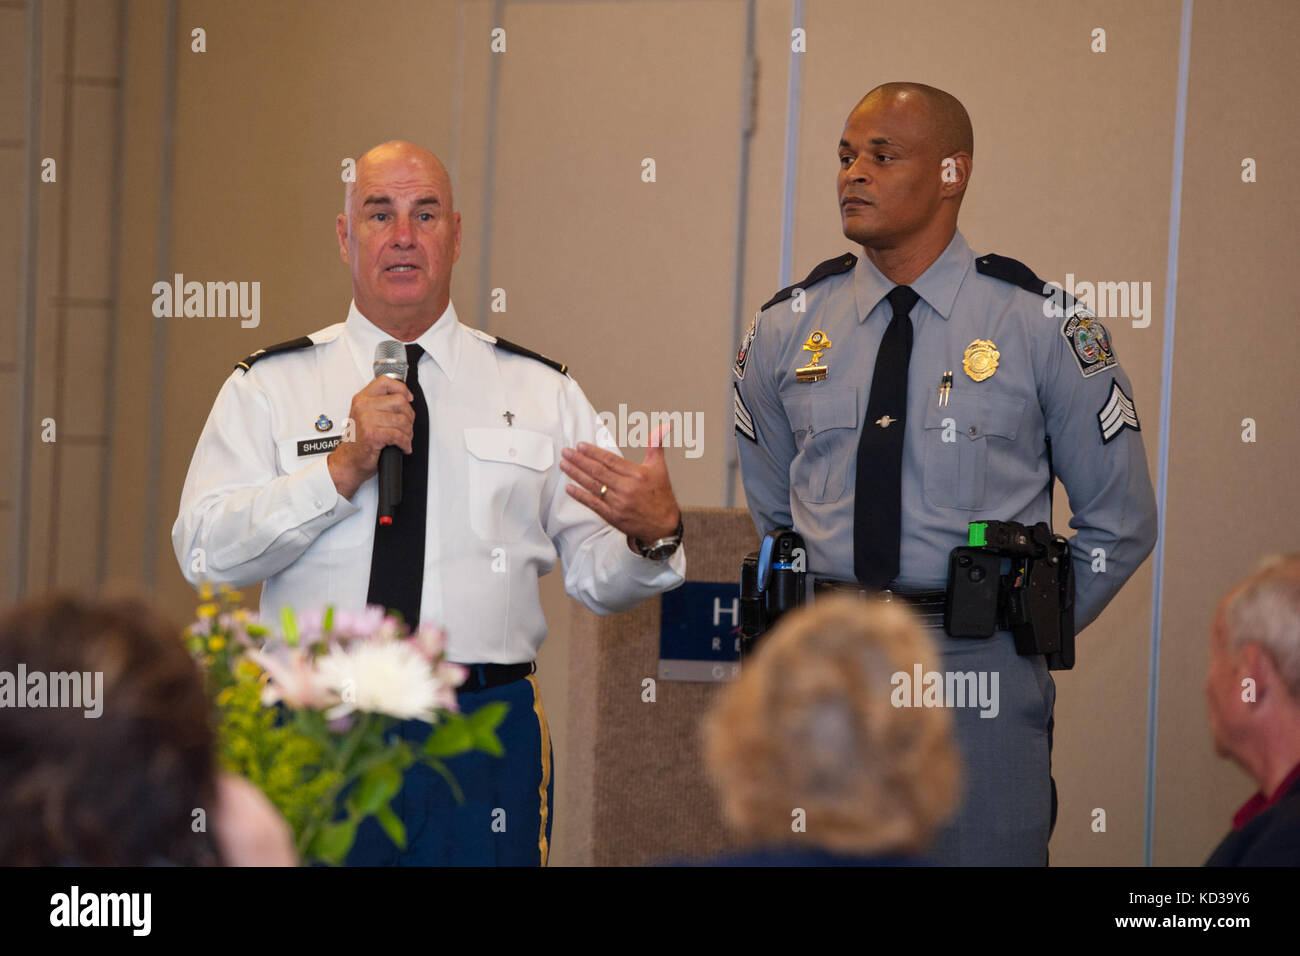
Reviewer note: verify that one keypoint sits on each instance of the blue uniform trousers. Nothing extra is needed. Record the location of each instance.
(506, 817)
(1007, 808)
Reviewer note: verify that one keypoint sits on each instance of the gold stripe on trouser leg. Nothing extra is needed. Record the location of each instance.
(542, 844)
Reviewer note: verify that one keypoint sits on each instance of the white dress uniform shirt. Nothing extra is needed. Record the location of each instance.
(260, 504)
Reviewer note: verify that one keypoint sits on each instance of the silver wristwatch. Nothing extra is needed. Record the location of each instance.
(663, 547)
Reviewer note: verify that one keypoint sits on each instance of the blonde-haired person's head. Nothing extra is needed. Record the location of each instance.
(809, 725)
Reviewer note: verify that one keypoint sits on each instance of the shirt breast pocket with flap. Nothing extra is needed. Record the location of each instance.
(960, 437)
(828, 418)
(507, 474)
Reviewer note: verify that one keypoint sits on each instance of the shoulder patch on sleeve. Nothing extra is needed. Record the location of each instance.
(744, 420)
(509, 346)
(293, 345)
(1117, 414)
(828, 268)
(742, 355)
(1089, 342)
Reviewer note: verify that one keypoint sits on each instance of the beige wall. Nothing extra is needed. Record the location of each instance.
(1229, 502)
(57, 305)
(631, 282)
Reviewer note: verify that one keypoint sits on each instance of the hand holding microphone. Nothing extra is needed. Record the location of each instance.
(384, 428)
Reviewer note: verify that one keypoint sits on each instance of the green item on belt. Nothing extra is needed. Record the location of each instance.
(977, 533)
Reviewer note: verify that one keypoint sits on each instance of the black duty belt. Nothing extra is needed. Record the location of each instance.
(928, 605)
(483, 676)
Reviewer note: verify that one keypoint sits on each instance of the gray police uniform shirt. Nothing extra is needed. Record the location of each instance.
(259, 503)
(981, 456)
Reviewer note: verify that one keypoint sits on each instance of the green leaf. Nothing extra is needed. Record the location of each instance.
(451, 737)
(379, 785)
(394, 827)
(483, 723)
(396, 755)
(334, 841)
(328, 624)
(439, 766)
(489, 743)
(489, 716)
(289, 625)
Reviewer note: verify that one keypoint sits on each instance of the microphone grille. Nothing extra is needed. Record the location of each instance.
(390, 359)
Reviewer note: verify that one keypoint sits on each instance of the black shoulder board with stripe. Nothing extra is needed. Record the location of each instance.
(1013, 271)
(529, 353)
(302, 342)
(828, 268)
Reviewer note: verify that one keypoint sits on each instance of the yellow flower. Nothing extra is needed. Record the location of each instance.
(205, 591)
(216, 642)
(207, 610)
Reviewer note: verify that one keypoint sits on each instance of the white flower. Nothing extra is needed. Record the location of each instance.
(383, 677)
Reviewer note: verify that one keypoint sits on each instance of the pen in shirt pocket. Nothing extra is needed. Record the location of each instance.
(945, 387)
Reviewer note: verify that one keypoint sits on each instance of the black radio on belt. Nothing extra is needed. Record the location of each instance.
(772, 582)
(1019, 578)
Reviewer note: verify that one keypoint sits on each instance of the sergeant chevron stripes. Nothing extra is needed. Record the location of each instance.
(1117, 414)
(744, 420)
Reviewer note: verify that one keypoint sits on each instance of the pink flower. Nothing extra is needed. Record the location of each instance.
(294, 680)
(372, 622)
(450, 676)
(431, 641)
(311, 626)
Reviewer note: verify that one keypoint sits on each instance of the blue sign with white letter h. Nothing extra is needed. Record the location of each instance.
(699, 632)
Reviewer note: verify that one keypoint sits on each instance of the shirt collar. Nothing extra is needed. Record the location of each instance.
(440, 340)
(937, 285)
(1259, 803)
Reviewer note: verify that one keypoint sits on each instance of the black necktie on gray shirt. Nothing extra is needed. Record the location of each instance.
(877, 505)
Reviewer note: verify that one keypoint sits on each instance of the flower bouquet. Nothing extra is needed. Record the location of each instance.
(307, 713)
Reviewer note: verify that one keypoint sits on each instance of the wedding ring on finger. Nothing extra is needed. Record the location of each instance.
(603, 490)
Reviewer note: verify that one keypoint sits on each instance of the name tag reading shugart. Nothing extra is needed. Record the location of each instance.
(814, 371)
(318, 446)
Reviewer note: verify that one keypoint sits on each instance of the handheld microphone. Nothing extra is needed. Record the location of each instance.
(390, 360)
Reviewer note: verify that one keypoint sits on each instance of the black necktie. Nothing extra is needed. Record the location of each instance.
(397, 562)
(878, 501)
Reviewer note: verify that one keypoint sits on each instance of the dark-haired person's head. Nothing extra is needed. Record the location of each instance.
(905, 159)
(106, 746)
